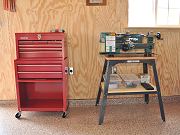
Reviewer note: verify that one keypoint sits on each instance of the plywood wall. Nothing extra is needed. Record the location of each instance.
(7, 55)
(82, 25)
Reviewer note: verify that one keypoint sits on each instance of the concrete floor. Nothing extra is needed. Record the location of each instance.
(130, 119)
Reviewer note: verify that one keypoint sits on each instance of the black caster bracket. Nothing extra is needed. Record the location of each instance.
(64, 114)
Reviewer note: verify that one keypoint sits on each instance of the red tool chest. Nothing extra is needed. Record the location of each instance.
(41, 71)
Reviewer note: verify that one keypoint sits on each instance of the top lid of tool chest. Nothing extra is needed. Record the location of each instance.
(40, 36)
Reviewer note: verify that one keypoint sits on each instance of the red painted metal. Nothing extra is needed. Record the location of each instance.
(9, 5)
(42, 68)
(46, 75)
(5, 4)
(41, 81)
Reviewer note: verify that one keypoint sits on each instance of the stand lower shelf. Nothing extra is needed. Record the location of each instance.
(127, 91)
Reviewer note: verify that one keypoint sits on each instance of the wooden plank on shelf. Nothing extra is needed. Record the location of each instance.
(128, 90)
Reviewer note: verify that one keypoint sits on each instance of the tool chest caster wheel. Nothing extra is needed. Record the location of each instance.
(18, 115)
(64, 114)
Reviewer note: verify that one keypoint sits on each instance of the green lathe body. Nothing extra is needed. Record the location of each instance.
(118, 43)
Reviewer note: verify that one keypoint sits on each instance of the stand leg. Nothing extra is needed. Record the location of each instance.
(98, 96)
(146, 98)
(159, 92)
(145, 71)
(105, 93)
(100, 89)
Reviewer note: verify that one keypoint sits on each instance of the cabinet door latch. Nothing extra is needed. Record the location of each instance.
(66, 70)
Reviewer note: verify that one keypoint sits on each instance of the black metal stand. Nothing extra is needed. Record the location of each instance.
(109, 63)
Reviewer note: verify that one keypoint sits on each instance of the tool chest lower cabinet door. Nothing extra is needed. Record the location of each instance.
(36, 68)
(41, 96)
(40, 75)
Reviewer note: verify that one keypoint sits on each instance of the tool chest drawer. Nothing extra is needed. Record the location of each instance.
(40, 54)
(39, 65)
(23, 68)
(40, 49)
(40, 75)
(40, 45)
(38, 62)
